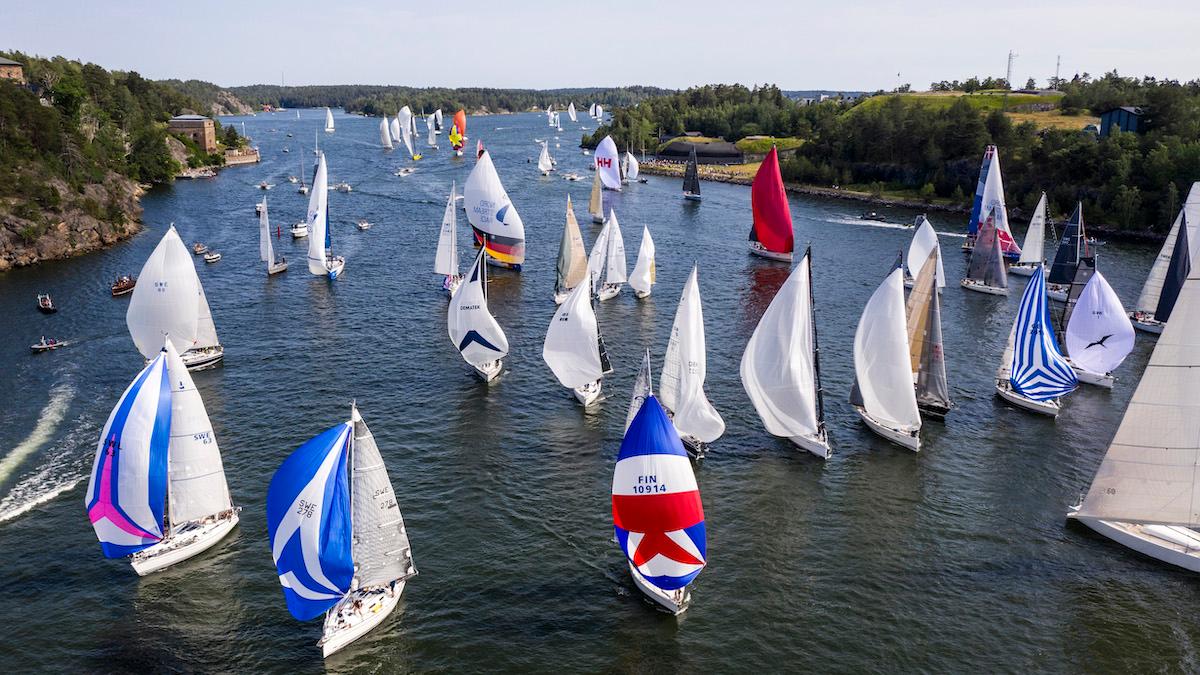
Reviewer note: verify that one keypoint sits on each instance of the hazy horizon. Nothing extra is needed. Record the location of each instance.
(873, 45)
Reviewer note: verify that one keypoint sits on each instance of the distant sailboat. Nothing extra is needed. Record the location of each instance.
(607, 161)
(691, 178)
(1033, 253)
(925, 349)
(545, 165)
(771, 233)
(458, 132)
(596, 201)
(328, 121)
(571, 111)
(632, 168)
(641, 279)
(883, 393)
(431, 139)
(394, 129)
(572, 267)
(574, 349)
(494, 218)
(658, 517)
(407, 131)
(1033, 374)
(266, 251)
(1169, 270)
(780, 370)
(473, 329)
(989, 197)
(385, 134)
(437, 121)
(681, 385)
(615, 264)
(446, 262)
(1098, 333)
(1071, 248)
(337, 535)
(925, 240)
(321, 260)
(986, 272)
(169, 302)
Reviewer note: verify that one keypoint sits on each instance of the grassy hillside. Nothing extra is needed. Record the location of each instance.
(984, 101)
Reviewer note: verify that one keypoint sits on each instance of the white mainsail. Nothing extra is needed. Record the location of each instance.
(265, 254)
(598, 257)
(643, 388)
(473, 329)
(616, 268)
(406, 118)
(1147, 301)
(924, 241)
(318, 218)
(446, 261)
(572, 346)
(571, 111)
(631, 166)
(881, 361)
(385, 135)
(681, 385)
(642, 277)
(1034, 250)
(196, 486)
(1099, 334)
(394, 127)
(544, 163)
(437, 121)
(328, 120)
(380, 547)
(431, 141)
(164, 304)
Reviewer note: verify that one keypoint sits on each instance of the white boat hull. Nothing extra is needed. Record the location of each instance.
(1057, 292)
(641, 295)
(818, 446)
(1023, 269)
(490, 370)
(691, 197)
(334, 267)
(1006, 392)
(905, 439)
(609, 291)
(1146, 323)
(343, 625)
(277, 268)
(199, 359)
(1095, 379)
(675, 602)
(588, 394)
(182, 544)
(759, 250)
(980, 287)
(1175, 545)
(299, 231)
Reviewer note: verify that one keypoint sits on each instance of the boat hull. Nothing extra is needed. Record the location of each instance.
(934, 410)
(980, 287)
(609, 291)
(199, 359)
(817, 445)
(1146, 323)
(1050, 408)
(691, 197)
(675, 602)
(904, 439)
(1095, 379)
(299, 232)
(277, 268)
(760, 251)
(175, 549)
(588, 394)
(1057, 292)
(1023, 269)
(490, 370)
(337, 635)
(334, 268)
(1165, 543)
(641, 295)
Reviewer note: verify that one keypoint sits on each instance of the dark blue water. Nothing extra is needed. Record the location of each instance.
(952, 559)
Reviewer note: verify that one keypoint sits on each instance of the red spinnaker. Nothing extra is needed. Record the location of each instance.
(772, 218)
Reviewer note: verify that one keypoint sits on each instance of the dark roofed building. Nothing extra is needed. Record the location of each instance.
(12, 70)
(1125, 118)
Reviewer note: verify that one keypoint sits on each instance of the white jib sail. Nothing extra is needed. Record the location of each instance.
(924, 241)
(642, 277)
(446, 261)
(881, 360)
(1034, 250)
(778, 371)
(544, 163)
(681, 385)
(381, 551)
(572, 347)
(318, 212)
(1099, 335)
(385, 134)
(631, 166)
(616, 270)
(571, 111)
(472, 328)
(196, 477)
(1148, 299)
(164, 304)
(643, 388)
(328, 120)
(394, 127)
(598, 257)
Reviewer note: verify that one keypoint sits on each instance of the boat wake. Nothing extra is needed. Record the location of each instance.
(52, 415)
(847, 220)
(60, 472)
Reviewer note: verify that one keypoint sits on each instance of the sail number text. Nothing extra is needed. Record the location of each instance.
(648, 485)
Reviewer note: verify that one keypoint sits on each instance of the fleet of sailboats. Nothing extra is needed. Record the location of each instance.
(771, 235)
(473, 330)
(681, 385)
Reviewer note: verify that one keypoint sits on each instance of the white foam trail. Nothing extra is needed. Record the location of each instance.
(52, 415)
(28, 505)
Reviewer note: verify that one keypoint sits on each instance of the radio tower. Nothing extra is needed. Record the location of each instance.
(1011, 57)
(1057, 67)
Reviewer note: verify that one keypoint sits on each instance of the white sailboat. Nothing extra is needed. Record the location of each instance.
(266, 251)
(394, 128)
(1033, 252)
(595, 201)
(574, 349)
(385, 134)
(641, 279)
(883, 393)
(925, 240)
(632, 168)
(986, 272)
(431, 141)
(572, 267)
(437, 121)
(446, 262)
(1157, 299)
(473, 330)
(1033, 375)
(169, 302)
(615, 264)
(1098, 334)
(321, 260)
(545, 164)
(779, 369)
(328, 121)
(571, 111)
(494, 218)
(681, 385)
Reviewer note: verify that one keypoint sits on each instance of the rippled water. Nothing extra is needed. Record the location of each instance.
(879, 559)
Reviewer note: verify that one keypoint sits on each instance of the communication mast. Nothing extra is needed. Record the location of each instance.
(1012, 56)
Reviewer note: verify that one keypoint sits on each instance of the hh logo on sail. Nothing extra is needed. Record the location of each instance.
(604, 162)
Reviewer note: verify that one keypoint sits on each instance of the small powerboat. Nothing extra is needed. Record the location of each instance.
(212, 257)
(871, 215)
(45, 345)
(264, 185)
(406, 171)
(123, 285)
(299, 230)
(293, 179)
(303, 190)
(258, 209)
(199, 248)
(46, 304)
(572, 176)
(342, 187)
(364, 225)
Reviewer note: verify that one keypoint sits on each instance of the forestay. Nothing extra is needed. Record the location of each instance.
(1099, 335)
(681, 386)
(572, 346)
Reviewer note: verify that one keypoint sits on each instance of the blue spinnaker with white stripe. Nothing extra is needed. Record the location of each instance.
(1039, 370)
(308, 520)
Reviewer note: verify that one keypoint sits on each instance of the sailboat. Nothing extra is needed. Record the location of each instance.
(989, 197)
(494, 218)
(985, 272)
(1033, 253)
(407, 131)
(545, 165)
(1169, 270)
(691, 178)
(643, 388)
(780, 370)
(266, 251)
(303, 189)
(1142, 494)
(337, 535)
(321, 260)
(615, 263)
(385, 134)
(328, 121)
(658, 517)
(394, 129)
(681, 386)
(574, 349)
(158, 443)
(771, 233)
(632, 168)
(431, 140)
(883, 394)
(572, 267)
(1033, 374)
(473, 329)
(458, 132)
(599, 113)
(641, 279)
(437, 121)
(924, 241)
(592, 111)
(596, 202)
(571, 111)
(1099, 334)
(926, 355)
(169, 302)
(446, 262)
(608, 167)
(1071, 248)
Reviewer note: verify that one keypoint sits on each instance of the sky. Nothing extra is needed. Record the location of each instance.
(858, 45)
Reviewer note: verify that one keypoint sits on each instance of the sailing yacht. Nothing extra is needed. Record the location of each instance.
(883, 394)
(681, 385)
(385, 133)
(408, 131)
(1071, 249)
(574, 348)
(571, 111)
(691, 178)
(1098, 334)
(321, 260)
(545, 164)
(337, 535)
(924, 241)
(771, 234)
(458, 132)
(493, 217)
(985, 272)
(595, 201)
(658, 517)
(170, 302)
(158, 442)
(1142, 494)
(926, 355)
(473, 330)
(1033, 374)
(607, 161)
(446, 262)
(989, 197)
(641, 279)
(614, 259)
(431, 139)
(780, 370)
(1033, 253)
(266, 251)
(572, 267)
(1170, 268)
(328, 121)
(630, 167)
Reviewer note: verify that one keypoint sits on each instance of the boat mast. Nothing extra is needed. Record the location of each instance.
(816, 352)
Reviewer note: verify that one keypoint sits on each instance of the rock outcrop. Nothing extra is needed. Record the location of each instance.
(228, 104)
